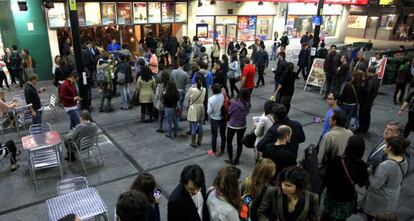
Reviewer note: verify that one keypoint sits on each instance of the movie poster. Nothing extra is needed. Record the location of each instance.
(93, 17)
(81, 14)
(167, 12)
(57, 16)
(154, 12)
(124, 12)
(108, 13)
(140, 12)
(181, 12)
(317, 74)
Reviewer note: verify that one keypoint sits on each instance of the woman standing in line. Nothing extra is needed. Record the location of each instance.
(146, 88)
(238, 111)
(170, 101)
(234, 74)
(27, 64)
(215, 52)
(385, 180)
(195, 97)
(159, 96)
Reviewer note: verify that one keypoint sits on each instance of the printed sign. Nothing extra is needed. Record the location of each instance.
(317, 74)
(381, 69)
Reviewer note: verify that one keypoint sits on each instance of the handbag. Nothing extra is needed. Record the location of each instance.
(355, 201)
(249, 139)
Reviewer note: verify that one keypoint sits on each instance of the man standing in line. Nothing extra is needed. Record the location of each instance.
(214, 111)
(331, 67)
(17, 68)
(262, 61)
(32, 97)
(281, 68)
(180, 78)
(69, 97)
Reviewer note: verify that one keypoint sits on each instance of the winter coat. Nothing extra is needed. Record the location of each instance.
(146, 90)
(195, 98)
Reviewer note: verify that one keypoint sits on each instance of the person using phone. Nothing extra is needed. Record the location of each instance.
(68, 95)
(31, 95)
(146, 184)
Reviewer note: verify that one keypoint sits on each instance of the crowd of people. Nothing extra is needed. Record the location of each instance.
(280, 186)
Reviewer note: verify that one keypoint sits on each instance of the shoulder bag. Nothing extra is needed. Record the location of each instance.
(355, 201)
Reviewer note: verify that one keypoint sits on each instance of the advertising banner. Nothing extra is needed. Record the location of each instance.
(381, 69)
(316, 75)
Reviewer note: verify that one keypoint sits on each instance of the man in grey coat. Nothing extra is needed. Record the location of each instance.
(84, 129)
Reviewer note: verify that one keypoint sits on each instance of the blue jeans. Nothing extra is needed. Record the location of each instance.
(180, 103)
(196, 127)
(123, 90)
(74, 118)
(171, 117)
(38, 118)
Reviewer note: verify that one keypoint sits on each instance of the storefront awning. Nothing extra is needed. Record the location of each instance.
(341, 2)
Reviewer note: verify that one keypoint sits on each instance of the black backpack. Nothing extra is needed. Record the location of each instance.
(16, 60)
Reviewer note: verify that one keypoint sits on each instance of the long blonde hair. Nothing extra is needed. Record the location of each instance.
(263, 172)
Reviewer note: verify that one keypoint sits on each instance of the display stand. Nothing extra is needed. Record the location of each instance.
(316, 75)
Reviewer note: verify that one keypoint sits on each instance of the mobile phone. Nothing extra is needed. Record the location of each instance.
(247, 199)
(157, 193)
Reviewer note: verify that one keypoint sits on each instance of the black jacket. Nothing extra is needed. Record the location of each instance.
(304, 56)
(281, 68)
(233, 47)
(172, 45)
(322, 53)
(181, 207)
(332, 62)
(262, 58)
(371, 86)
(298, 135)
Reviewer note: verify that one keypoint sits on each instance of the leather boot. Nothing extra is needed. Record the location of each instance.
(200, 138)
(193, 140)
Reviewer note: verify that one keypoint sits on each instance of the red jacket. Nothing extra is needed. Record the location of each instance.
(249, 71)
(67, 93)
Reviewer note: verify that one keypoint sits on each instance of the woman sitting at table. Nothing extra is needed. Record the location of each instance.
(7, 115)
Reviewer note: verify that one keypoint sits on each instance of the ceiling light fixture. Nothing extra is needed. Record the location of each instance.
(212, 2)
(260, 3)
(200, 3)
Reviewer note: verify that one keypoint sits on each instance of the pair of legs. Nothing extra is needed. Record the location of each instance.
(329, 83)
(180, 103)
(230, 135)
(218, 125)
(285, 100)
(38, 118)
(106, 95)
(12, 75)
(70, 148)
(18, 73)
(74, 117)
(10, 148)
(146, 109)
(196, 128)
(364, 117)
(409, 126)
(260, 71)
(401, 89)
(172, 121)
(161, 120)
(233, 86)
(3, 77)
(303, 69)
(125, 100)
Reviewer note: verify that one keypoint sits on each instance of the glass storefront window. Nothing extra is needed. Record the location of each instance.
(181, 12)
(154, 12)
(124, 11)
(140, 12)
(329, 24)
(357, 21)
(108, 13)
(373, 22)
(226, 20)
(93, 17)
(205, 23)
(246, 28)
(168, 12)
(264, 27)
(388, 21)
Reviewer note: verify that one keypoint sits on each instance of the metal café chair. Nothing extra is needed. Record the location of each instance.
(87, 144)
(27, 117)
(39, 128)
(51, 105)
(3, 119)
(44, 158)
(71, 184)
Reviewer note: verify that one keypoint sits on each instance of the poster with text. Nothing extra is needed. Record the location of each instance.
(317, 74)
(57, 16)
(252, 22)
(140, 12)
(93, 17)
(154, 12)
(381, 69)
(108, 13)
(167, 12)
(202, 30)
(357, 21)
(124, 12)
(181, 11)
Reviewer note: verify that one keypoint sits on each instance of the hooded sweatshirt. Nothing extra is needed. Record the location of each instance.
(238, 112)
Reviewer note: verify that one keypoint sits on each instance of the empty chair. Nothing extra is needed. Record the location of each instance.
(72, 184)
(4, 118)
(39, 128)
(44, 158)
(51, 105)
(87, 144)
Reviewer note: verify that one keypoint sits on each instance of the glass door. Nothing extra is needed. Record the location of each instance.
(225, 34)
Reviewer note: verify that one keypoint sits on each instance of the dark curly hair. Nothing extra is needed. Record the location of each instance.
(132, 206)
(297, 176)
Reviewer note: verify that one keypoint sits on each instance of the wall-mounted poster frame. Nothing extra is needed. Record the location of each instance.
(124, 13)
(167, 12)
(181, 12)
(202, 30)
(108, 13)
(57, 16)
(93, 17)
(154, 12)
(81, 13)
(140, 12)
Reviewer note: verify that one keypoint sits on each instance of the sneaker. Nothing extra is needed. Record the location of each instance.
(211, 153)
(14, 167)
(236, 162)
(169, 136)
